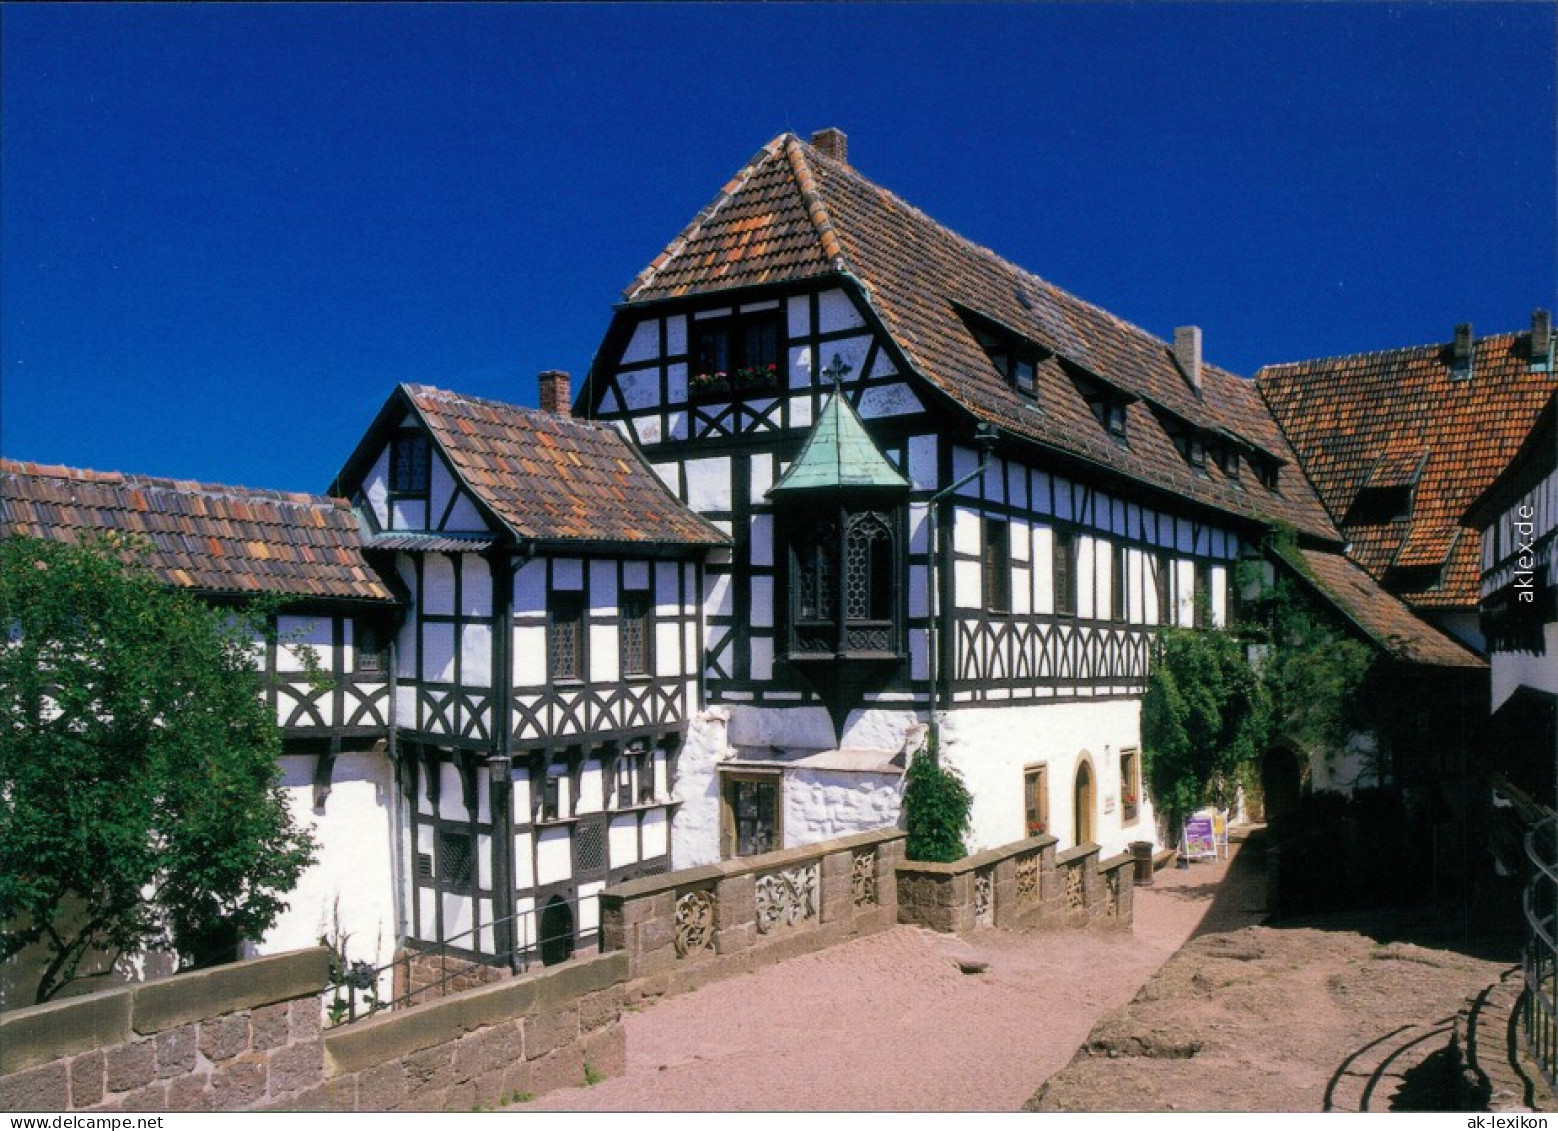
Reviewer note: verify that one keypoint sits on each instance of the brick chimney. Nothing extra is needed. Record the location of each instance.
(1187, 352)
(1460, 349)
(833, 143)
(556, 392)
(1541, 336)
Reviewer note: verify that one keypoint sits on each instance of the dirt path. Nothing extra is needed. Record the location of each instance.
(889, 1023)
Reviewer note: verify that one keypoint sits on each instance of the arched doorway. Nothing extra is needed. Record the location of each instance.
(556, 932)
(1082, 802)
(1281, 781)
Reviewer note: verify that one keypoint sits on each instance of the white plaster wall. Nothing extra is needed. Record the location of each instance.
(1352, 768)
(835, 311)
(295, 634)
(820, 805)
(352, 874)
(1512, 669)
(991, 746)
(695, 829)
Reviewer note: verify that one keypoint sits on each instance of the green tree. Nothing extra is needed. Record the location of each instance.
(937, 808)
(140, 803)
(1205, 712)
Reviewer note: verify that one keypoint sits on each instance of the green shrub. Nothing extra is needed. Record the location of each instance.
(936, 807)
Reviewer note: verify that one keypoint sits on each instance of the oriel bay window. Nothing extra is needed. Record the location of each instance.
(840, 510)
(844, 583)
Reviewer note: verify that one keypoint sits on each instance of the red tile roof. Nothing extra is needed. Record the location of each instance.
(1383, 618)
(1396, 418)
(793, 214)
(553, 478)
(202, 536)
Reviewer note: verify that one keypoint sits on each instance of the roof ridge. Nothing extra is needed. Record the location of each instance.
(438, 392)
(1440, 345)
(1009, 264)
(709, 211)
(164, 483)
(816, 209)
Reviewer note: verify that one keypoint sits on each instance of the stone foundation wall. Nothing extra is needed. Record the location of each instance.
(1025, 883)
(241, 1037)
(684, 929)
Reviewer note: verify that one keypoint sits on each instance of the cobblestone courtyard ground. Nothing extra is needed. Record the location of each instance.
(890, 1023)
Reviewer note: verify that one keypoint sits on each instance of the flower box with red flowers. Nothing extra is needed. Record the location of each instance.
(721, 385)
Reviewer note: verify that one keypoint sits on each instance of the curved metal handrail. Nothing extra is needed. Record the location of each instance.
(1539, 963)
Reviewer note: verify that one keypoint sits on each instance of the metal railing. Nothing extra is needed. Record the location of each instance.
(354, 992)
(1538, 1012)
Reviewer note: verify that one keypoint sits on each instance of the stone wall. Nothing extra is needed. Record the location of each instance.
(531, 1034)
(685, 929)
(248, 1037)
(1025, 883)
(233, 1038)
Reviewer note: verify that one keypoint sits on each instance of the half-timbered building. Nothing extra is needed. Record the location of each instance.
(960, 500)
(1518, 519)
(326, 660)
(546, 669)
(1399, 443)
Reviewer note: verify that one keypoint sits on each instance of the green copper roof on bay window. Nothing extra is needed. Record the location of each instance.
(839, 453)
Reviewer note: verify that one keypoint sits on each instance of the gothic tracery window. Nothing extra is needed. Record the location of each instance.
(843, 582)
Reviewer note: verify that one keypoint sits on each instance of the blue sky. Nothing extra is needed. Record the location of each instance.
(226, 232)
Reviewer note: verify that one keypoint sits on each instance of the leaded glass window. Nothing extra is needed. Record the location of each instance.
(635, 633)
(409, 464)
(567, 642)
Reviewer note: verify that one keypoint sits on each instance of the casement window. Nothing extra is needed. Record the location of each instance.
(1130, 786)
(751, 814)
(549, 795)
(637, 632)
(844, 583)
(1065, 571)
(456, 864)
(565, 611)
(1203, 595)
(1228, 460)
(1163, 584)
(737, 352)
(1035, 800)
(409, 465)
(635, 778)
(1118, 607)
(370, 648)
(998, 565)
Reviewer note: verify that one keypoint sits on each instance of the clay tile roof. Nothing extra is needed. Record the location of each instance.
(554, 478)
(1396, 418)
(1385, 619)
(794, 214)
(204, 536)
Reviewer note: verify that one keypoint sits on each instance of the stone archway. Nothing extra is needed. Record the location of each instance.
(1083, 801)
(1281, 780)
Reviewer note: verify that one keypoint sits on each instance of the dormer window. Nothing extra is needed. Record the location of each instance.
(737, 353)
(1015, 358)
(1111, 414)
(1193, 448)
(409, 468)
(1228, 460)
(1266, 471)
